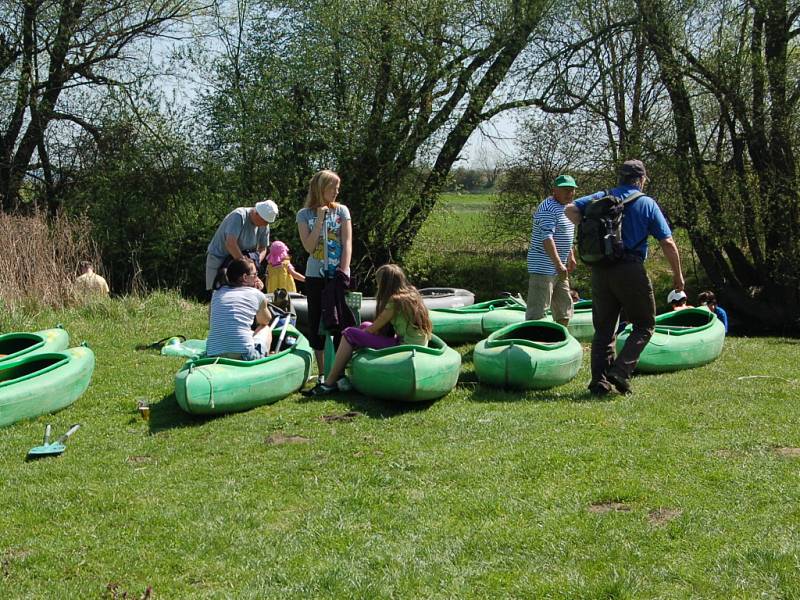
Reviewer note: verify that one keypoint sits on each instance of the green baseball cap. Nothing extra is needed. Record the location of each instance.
(564, 181)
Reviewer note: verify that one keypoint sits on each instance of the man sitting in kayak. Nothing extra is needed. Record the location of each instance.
(233, 308)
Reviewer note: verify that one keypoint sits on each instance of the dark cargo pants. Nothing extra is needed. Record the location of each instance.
(626, 287)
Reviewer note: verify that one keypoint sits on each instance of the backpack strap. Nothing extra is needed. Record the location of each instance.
(632, 197)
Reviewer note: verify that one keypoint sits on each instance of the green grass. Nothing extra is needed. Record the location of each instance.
(482, 494)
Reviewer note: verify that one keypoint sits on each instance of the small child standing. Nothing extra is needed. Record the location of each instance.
(402, 318)
(280, 271)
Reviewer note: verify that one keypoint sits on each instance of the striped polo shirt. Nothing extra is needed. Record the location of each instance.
(233, 310)
(549, 221)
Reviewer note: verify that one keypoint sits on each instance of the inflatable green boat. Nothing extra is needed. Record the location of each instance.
(528, 355)
(211, 386)
(21, 343)
(682, 340)
(580, 325)
(465, 324)
(41, 383)
(407, 373)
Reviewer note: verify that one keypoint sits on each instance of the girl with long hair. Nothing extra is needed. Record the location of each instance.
(402, 319)
(323, 217)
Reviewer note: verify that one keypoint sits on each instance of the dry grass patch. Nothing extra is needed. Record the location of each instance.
(662, 516)
(786, 451)
(605, 507)
(276, 439)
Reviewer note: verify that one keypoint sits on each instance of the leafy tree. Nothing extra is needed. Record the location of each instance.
(732, 83)
(53, 50)
(374, 89)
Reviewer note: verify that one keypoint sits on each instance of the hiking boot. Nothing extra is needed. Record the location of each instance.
(619, 381)
(599, 388)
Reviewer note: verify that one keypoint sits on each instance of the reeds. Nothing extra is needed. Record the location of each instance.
(39, 258)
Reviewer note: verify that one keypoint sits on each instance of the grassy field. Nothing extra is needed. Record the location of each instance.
(686, 489)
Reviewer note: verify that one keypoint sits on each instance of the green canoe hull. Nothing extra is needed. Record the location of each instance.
(42, 383)
(580, 325)
(23, 343)
(682, 340)
(527, 356)
(212, 386)
(465, 324)
(406, 373)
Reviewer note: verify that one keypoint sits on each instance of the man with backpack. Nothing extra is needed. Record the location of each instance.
(613, 227)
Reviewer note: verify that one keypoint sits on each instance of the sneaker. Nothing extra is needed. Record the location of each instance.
(344, 384)
(622, 383)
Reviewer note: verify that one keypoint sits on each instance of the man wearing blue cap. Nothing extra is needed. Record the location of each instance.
(550, 258)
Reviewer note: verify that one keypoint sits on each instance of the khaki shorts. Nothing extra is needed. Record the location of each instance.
(548, 291)
(212, 267)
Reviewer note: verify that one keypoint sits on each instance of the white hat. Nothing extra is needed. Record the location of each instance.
(675, 296)
(267, 210)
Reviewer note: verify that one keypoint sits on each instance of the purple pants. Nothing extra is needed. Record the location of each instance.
(359, 338)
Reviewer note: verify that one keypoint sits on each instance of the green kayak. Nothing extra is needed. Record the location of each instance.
(682, 340)
(407, 373)
(22, 343)
(41, 383)
(465, 324)
(209, 386)
(528, 355)
(580, 325)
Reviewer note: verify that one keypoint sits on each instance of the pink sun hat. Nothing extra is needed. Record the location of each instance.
(278, 252)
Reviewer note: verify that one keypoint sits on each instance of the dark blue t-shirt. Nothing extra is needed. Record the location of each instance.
(641, 218)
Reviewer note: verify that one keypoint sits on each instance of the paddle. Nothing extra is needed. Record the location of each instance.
(283, 334)
(54, 449)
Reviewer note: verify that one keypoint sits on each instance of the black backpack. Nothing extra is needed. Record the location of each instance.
(600, 230)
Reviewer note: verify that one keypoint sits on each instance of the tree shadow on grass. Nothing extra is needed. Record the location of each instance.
(166, 415)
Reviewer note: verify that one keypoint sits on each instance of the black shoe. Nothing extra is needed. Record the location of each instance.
(622, 383)
(320, 390)
(599, 388)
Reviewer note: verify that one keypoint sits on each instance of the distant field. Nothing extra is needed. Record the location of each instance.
(466, 202)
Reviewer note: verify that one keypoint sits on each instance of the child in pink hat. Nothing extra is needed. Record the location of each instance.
(280, 271)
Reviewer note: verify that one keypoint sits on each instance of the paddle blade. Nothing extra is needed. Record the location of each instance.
(54, 449)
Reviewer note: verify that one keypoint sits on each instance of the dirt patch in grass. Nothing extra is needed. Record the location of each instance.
(348, 416)
(662, 516)
(276, 439)
(787, 451)
(725, 453)
(10, 556)
(605, 507)
(139, 460)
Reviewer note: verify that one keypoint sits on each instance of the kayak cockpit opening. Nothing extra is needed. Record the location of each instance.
(18, 342)
(687, 318)
(29, 367)
(541, 333)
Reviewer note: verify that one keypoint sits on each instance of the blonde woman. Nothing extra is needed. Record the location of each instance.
(326, 233)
